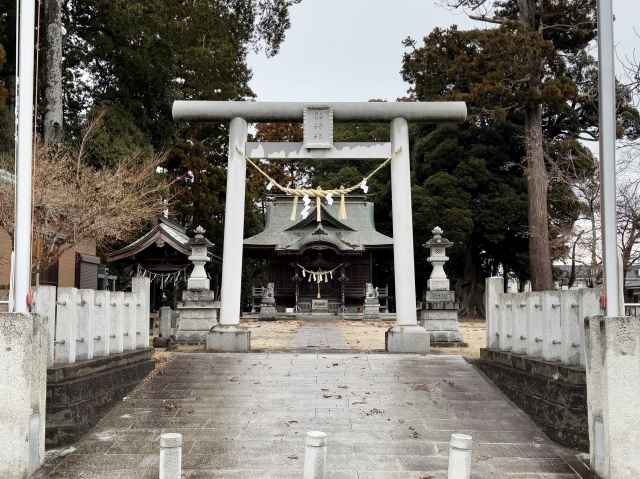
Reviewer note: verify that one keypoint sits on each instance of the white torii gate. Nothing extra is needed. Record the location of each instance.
(406, 335)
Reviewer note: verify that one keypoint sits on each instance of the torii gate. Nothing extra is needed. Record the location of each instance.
(406, 335)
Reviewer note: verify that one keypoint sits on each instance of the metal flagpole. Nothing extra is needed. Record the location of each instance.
(24, 153)
(607, 80)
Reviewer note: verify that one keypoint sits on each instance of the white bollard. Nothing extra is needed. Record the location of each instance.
(315, 455)
(460, 456)
(171, 456)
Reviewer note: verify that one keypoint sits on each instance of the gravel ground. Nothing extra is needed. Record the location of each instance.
(358, 335)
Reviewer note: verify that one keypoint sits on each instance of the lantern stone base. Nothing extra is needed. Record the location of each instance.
(439, 316)
(198, 313)
(407, 339)
(228, 339)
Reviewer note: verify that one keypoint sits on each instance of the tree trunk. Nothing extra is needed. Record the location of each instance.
(538, 189)
(53, 119)
(537, 178)
(471, 290)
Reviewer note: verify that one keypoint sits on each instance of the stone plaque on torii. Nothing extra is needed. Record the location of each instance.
(406, 335)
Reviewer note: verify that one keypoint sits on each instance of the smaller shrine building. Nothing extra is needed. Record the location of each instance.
(320, 257)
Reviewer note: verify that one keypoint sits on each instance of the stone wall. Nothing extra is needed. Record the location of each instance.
(79, 394)
(553, 395)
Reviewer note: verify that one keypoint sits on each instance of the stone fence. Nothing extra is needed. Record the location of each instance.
(548, 324)
(536, 355)
(97, 351)
(85, 324)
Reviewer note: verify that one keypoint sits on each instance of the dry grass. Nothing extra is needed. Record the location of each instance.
(364, 335)
(271, 335)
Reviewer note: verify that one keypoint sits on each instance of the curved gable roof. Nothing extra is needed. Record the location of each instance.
(353, 234)
(166, 231)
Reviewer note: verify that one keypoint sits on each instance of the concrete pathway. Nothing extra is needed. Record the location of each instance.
(319, 335)
(245, 416)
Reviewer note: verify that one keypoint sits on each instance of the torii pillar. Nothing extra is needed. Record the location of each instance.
(406, 336)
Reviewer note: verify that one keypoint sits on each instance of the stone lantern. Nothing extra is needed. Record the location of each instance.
(439, 315)
(198, 312)
(438, 245)
(199, 257)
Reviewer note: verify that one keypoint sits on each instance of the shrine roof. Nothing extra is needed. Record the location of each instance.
(354, 234)
(165, 232)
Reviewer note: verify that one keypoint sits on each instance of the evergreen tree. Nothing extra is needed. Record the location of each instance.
(547, 88)
(138, 56)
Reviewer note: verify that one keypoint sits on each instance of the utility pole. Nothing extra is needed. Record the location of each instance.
(24, 155)
(607, 85)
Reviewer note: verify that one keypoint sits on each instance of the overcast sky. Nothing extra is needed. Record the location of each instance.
(341, 50)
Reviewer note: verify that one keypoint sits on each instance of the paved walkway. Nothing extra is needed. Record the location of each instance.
(319, 335)
(245, 416)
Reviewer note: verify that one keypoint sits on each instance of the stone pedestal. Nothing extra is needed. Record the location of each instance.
(165, 321)
(407, 339)
(268, 303)
(371, 303)
(198, 313)
(320, 306)
(228, 339)
(439, 317)
(268, 311)
(371, 308)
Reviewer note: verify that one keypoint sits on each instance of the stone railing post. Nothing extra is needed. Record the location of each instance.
(66, 326)
(130, 319)
(86, 318)
(140, 287)
(571, 347)
(534, 324)
(102, 324)
(460, 456)
(492, 294)
(315, 455)
(520, 315)
(506, 335)
(589, 305)
(116, 343)
(45, 305)
(552, 337)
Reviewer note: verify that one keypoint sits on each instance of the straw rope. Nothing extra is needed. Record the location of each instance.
(319, 193)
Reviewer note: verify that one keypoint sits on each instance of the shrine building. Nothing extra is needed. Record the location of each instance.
(327, 258)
